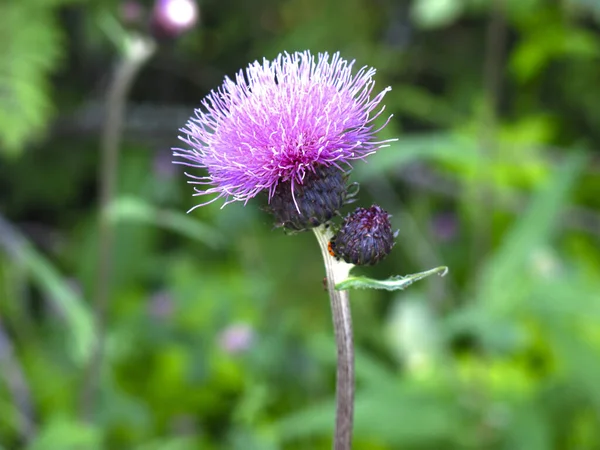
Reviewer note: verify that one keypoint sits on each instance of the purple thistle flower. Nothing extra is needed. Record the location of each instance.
(278, 122)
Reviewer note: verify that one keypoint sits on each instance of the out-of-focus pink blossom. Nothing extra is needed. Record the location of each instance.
(171, 18)
(236, 338)
(160, 305)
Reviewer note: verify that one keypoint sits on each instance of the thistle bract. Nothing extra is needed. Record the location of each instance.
(365, 238)
(281, 121)
(313, 203)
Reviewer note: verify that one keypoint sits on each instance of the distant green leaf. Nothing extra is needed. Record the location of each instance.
(532, 230)
(407, 416)
(436, 13)
(30, 52)
(131, 209)
(66, 434)
(448, 147)
(395, 283)
(395, 413)
(317, 420)
(175, 443)
(550, 41)
(50, 281)
(418, 102)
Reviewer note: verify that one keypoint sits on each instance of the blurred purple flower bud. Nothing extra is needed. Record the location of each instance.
(236, 338)
(444, 226)
(171, 18)
(161, 305)
(131, 12)
(162, 165)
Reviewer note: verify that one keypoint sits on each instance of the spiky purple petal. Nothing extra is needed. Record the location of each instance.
(278, 121)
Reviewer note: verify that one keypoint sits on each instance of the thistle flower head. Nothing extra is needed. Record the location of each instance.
(277, 122)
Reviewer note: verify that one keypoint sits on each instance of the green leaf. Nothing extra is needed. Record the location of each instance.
(174, 443)
(395, 283)
(67, 300)
(436, 13)
(315, 420)
(444, 147)
(407, 417)
(30, 52)
(131, 209)
(528, 428)
(531, 232)
(396, 413)
(420, 103)
(66, 434)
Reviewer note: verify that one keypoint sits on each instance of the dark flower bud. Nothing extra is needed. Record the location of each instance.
(365, 238)
(312, 203)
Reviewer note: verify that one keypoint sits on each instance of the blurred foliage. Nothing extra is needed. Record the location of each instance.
(219, 332)
(31, 52)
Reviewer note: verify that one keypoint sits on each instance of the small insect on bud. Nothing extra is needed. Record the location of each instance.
(365, 238)
(312, 203)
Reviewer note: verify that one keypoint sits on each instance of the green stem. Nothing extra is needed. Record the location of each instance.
(336, 272)
(16, 384)
(138, 50)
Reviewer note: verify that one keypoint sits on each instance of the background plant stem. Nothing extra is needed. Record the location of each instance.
(337, 271)
(138, 50)
(16, 384)
(493, 70)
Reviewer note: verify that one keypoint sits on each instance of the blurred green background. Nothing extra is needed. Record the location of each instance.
(218, 331)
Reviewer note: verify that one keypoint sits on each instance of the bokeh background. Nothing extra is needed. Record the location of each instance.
(217, 331)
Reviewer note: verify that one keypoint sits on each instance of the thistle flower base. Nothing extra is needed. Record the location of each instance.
(308, 205)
